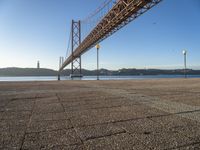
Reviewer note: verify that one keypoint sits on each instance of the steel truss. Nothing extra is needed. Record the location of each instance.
(122, 13)
(75, 42)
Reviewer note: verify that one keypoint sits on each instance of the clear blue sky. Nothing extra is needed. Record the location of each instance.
(32, 30)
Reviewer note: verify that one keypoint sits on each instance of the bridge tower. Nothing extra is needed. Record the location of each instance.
(75, 42)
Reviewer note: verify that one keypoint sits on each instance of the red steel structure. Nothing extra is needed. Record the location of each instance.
(122, 13)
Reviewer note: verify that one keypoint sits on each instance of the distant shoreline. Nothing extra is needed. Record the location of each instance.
(28, 72)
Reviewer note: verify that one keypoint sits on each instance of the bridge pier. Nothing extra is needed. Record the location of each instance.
(76, 70)
(59, 77)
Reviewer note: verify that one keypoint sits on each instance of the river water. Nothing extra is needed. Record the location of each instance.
(54, 78)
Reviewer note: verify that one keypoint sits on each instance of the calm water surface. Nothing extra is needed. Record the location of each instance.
(53, 78)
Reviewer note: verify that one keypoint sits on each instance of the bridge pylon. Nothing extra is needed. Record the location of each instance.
(75, 42)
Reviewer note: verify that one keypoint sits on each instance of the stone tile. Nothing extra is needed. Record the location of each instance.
(142, 126)
(11, 140)
(45, 95)
(20, 105)
(49, 116)
(42, 116)
(63, 147)
(41, 126)
(84, 105)
(94, 117)
(194, 116)
(192, 132)
(59, 116)
(48, 100)
(13, 125)
(50, 139)
(173, 121)
(1, 115)
(189, 147)
(2, 109)
(48, 108)
(4, 102)
(24, 96)
(96, 131)
(163, 140)
(18, 115)
(115, 142)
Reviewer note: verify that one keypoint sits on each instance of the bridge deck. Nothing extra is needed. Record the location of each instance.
(120, 15)
(159, 114)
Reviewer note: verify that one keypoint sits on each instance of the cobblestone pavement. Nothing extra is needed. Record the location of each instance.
(98, 115)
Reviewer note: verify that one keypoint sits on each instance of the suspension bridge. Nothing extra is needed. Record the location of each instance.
(111, 16)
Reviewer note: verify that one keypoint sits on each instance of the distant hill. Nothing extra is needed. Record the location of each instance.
(27, 72)
(124, 72)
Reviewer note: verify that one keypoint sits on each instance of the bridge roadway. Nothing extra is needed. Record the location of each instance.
(120, 15)
(73, 115)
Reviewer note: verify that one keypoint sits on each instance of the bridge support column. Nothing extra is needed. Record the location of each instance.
(75, 41)
(59, 76)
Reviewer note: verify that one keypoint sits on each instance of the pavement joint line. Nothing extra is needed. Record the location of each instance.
(86, 100)
(35, 120)
(154, 102)
(108, 135)
(104, 123)
(186, 112)
(134, 119)
(183, 146)
(70, 121)
(16, 111)
(89, 98)
(96, 108)
(27, 125)
(23, 98)
(54, 130)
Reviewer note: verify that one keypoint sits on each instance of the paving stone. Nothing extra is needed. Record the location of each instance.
(50, 139)
(189, 147)
(13, 125)
(115, 142)
(172, 107)
(63, 147)
(20, 105)
(48, 100)
(59, 116)
(173, 121)
(1, 115)
(102, 117)
(49, 116)
(20, 115)
(116, 114)
(75, 106)
(48, 108)
(4, 102)
(39, 126)
(25, 95)
(163, 140)
(195, 116)
(96, 131)
(192, 132)
(142, 126)
(42, 116)
(45, 95)
(99, 117)
(11, 140)
(2, 109)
